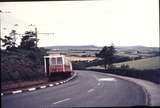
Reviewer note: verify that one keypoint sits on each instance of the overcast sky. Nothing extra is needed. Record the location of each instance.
(121, 22)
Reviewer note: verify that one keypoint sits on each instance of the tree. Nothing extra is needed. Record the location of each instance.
(107, 55)
(29, 40)
(9, 41)
(13, 36)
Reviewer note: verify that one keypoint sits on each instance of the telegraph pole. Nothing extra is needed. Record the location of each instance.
(0, 22)
(36, 36)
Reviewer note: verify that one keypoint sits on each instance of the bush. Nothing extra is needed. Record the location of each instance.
(22, 65)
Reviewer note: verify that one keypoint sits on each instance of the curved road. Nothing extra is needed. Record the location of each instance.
(89, 89)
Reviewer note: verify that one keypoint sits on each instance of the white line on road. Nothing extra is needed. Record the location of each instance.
(57, 83)
(50, 85)
(43, 87)
(31, 89)
(62, 100)
(91, 90)
(107, 79)
(18, 91)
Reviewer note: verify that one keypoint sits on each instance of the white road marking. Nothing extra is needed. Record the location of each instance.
(107, 79)
(57, 83)
(18, 91)
(43, 87)
(91, 90)
(62, 100)
(31, 89)
(50, 85)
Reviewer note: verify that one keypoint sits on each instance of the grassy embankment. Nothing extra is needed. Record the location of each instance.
(143, 64)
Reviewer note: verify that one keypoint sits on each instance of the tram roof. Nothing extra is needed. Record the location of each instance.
(54, 55)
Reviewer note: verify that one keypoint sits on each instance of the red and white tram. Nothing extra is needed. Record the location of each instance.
(57, 65)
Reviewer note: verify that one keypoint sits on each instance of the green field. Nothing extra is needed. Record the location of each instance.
(149, 63)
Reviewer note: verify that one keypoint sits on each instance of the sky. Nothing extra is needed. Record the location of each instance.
(99, 22)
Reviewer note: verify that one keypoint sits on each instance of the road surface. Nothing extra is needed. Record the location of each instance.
(89, 89)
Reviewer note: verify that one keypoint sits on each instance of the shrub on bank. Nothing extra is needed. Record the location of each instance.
(21, 65)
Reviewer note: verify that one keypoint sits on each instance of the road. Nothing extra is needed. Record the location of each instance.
(89, 89)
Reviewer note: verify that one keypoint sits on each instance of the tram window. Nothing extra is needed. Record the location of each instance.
(59, 60)
(53, 61)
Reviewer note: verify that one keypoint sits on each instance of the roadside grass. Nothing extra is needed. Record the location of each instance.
(10, 86)
(20, 85)
(142, 64)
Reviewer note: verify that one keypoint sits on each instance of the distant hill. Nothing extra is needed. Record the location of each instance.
(93, 47)
(129, 51)
(70, 47)
(139, 48)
